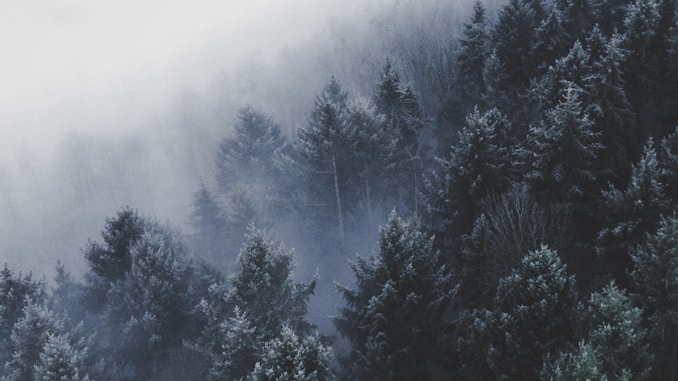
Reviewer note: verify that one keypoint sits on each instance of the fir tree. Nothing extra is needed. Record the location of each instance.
(395, 316)
(60, 361)
(513, 36)
(291, 358)
(473, 54)
(654, 280)
(208, 223)
(551, 40)
(632, 212)
(668, 161)
(533, 315)
(478, 165)
(564, 148)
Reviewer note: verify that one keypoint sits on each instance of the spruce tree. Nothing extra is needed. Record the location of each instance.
(655, 285)
(480, 164)
(473, 54)
(59, 360)
(631, 212)
(394, 318)
(564, 149)
(293, 358)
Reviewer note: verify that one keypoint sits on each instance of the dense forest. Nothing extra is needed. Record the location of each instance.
(511, 191)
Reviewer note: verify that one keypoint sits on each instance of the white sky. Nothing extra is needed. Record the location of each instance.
(105, 65)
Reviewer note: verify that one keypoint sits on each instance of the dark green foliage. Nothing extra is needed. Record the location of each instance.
(394, 317)
(632, 212)
(474, 51)
(533, 315)
(513, 36)
(654, 280)
(112, 260)
(263, 299)
(294, 358)
(564, 149)
(480, 164)
(16, 291)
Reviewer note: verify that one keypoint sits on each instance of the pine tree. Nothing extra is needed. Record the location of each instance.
(404, 120)
(16, 291)
(564, 148)
(291, 358)
(534, 314)
(395, 316)
(654, 280)
(495, 78)
(208, 224)
(578, 16)
(246, 158)
(616, 331)
(328, 153)
(473, 54)
(60, 361)
(513, 36)
(478, 165)
(570, 70)
(668, 161)
(29, 335)
(612, 113)
(632, 212)
(263, 299)
(551, 41)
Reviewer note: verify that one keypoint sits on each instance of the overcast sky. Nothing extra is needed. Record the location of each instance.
(100, 65)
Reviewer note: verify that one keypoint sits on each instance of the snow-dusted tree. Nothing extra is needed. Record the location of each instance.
(611, 111)
(534, 314)
(655, 284)
(568, 71)
(293, 358)
(209, 224)
(233, 345)
(510, 226)
(404, 121)
(328, 153)
(564, 148)
(495, 94)
(632, 212)
(668, 162)
(60, 361)
(478, 165)
(263, 299)
(513, 36)
(474, 51)
(29, 335)
(615, 346)
(16, 290)
(616, 331)
(247, 157)
(394, 319)
(551, 41)
(151, 309)
(578, 16)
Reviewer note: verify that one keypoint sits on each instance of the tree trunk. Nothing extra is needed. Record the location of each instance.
(340, 218)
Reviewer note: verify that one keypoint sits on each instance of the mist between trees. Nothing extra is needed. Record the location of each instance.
(500, 205)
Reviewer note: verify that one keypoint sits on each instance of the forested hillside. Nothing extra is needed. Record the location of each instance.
(511, 191)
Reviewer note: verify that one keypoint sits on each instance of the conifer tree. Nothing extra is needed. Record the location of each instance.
(395, 316)
(564, 148)
(612, 113)
(513, 36)
(404, 121)
(473, 54)
(668, 161)
(551, 40)
(534, 314)
(29, 335)
(655, 284)
(59, 360)
(293, 358)
(632, 212)
(478, 165)
(209, 224)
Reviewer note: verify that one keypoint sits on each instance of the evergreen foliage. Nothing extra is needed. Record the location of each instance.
(394, 318)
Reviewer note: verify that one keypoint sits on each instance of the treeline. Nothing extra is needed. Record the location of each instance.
(540, 239)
